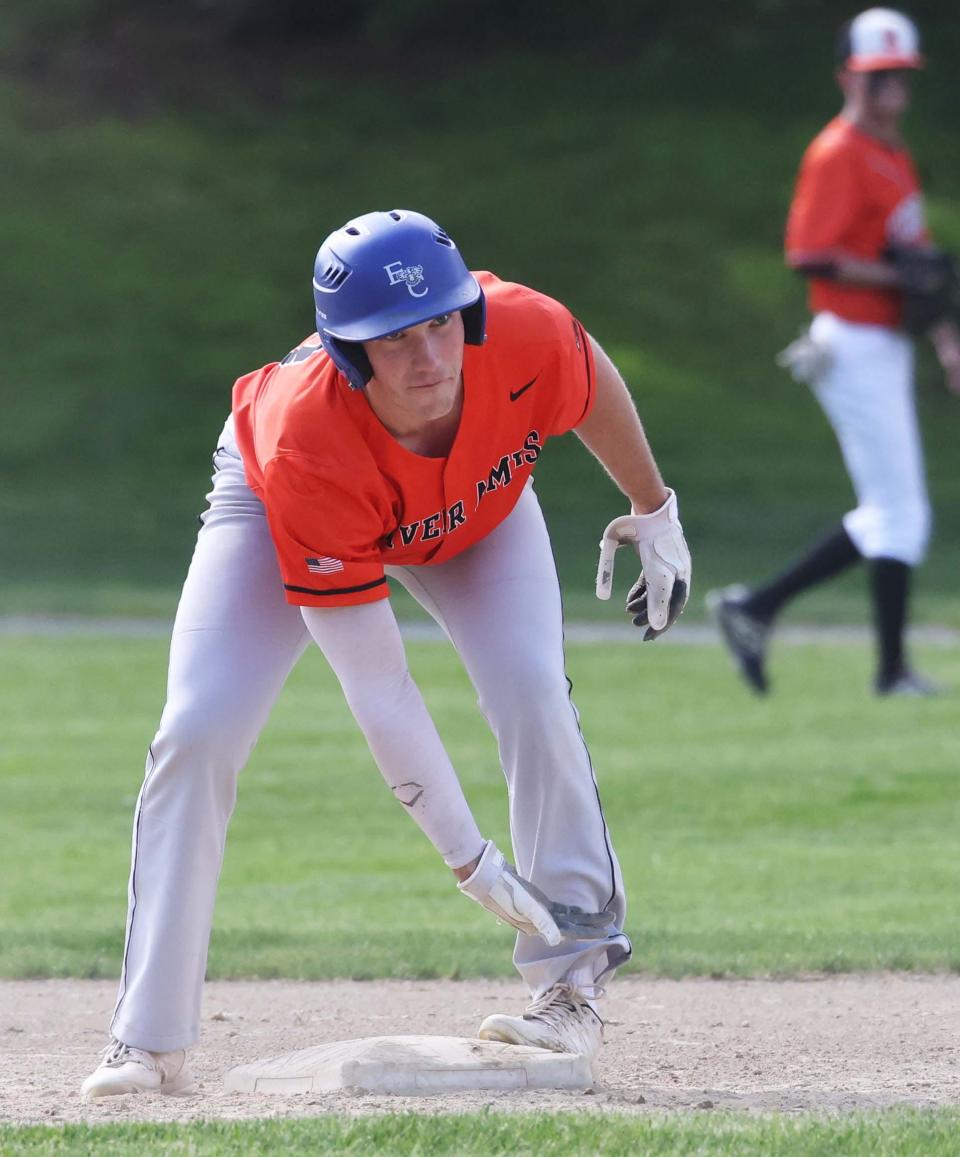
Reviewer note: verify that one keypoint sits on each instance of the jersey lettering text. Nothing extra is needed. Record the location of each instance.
(502, 474)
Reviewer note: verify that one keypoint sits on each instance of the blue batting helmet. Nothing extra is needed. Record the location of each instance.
(384, 272)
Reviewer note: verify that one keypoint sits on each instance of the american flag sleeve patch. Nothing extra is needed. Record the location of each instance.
(324, 565)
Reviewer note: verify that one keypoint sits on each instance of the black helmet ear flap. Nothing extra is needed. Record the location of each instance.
(475, 321)
(356, 355)
(350, 358)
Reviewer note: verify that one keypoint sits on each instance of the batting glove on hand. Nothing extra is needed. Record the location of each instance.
(660, 594)
(496, 886)
(807, 359)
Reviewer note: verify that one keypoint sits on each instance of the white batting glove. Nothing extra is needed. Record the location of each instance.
(496, 886)
(807, 359)
(660, 594)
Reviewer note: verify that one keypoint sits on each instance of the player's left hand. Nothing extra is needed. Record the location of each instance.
(657, 598)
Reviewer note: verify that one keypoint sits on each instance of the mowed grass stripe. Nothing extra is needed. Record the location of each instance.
(669, 257)
(817, 830)
(894, 1133)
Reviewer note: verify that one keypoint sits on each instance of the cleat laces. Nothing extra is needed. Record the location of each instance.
(557, 1005)
(117, 1054)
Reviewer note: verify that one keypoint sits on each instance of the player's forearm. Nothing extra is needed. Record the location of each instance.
(869, 274)
(614, 434)
(363, 646)
(852, 271)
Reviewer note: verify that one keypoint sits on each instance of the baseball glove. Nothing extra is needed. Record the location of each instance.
(929, 280)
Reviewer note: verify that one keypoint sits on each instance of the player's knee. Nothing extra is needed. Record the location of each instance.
(909, 534)
(202, 738)
(531, 683)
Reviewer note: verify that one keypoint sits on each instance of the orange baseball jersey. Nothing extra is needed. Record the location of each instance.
(344, 499)
(854, 197)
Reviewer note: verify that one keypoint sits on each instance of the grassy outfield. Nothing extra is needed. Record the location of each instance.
(897, 1133)
(818, 830)
(158, 256)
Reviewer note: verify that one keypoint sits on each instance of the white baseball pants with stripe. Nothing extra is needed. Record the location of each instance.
(234, 642)
(867, 393)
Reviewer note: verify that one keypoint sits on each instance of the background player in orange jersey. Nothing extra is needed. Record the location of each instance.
(856, 229)
(399, 440)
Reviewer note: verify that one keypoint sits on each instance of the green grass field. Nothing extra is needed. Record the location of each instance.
(158, 256)
(817, 830)
(894, 1134)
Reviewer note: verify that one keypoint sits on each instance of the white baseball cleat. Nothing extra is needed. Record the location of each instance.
(561, 1020)
(128, 1070)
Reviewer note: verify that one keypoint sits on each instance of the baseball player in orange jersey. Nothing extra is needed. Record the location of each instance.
(856, 229)
(399, 440)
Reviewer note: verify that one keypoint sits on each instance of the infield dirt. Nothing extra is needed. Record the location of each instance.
(835, 1043)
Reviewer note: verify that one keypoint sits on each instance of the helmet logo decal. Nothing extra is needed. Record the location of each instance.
(409, 275)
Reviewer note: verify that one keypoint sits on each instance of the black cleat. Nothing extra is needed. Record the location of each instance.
(746, 637)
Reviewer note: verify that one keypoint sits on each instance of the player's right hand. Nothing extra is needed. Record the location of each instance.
(496, 886)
